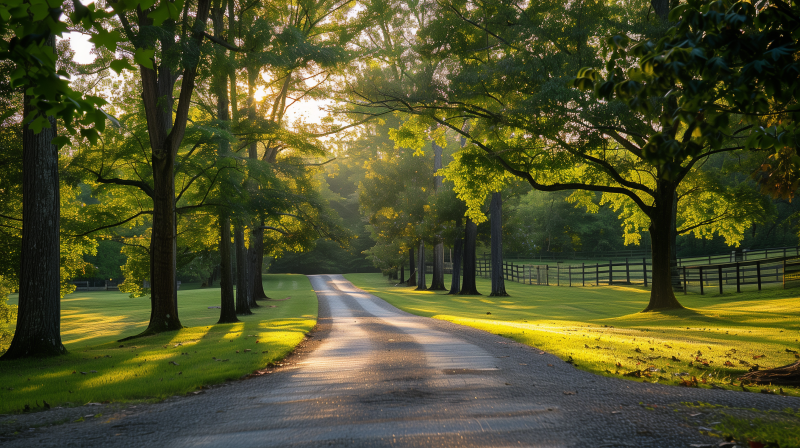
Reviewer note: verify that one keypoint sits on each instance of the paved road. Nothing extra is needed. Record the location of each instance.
(375, 376)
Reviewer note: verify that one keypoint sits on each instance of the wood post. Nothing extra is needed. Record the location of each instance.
(597, 274)
(758, 274)
(685, 283)
(558, 274)
(738, 279)
(719, 272)
(569, 274)
(644, 271)
(610, 272)
(701, 280)
(583, 274)
(627, 271)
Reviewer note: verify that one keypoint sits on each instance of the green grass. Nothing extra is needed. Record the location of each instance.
(99, 369)
(716, 339)
(770, 428)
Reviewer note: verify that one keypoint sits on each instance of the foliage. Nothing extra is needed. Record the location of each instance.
(25, 27)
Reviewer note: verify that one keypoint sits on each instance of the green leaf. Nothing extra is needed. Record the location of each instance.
(107, 39)
(118, 65)
(144, 57)
(60, 141)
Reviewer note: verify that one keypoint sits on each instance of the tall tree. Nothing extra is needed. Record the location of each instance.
(179, 39)
(39, 317)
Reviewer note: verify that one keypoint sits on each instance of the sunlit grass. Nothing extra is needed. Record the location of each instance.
(99, 369)
(716, 339)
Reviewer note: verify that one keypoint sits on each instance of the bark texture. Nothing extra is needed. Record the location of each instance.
(470, 239)
(38, 328)
(227, 311)
(437, 282)
(455, 281)
(421, 281)
(780, 376)
(662, 296)
(257, 263)
(412, 271)
(242, 280)
(496, 221)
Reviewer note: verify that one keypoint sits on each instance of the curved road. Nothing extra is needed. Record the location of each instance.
(373, 376)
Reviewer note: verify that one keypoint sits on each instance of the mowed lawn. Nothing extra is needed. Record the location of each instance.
(99, 369)
(601, 329)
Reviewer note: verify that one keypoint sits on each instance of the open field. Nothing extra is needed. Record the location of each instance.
(99, 369)
(600, 329)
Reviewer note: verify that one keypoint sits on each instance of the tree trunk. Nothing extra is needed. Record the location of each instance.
(788, 375)
(437, 283)
(455, 282)
(673, 245)
(248, 260)
(412, 272)
(242, 280)
(468, 288)
(257, 263)
(421, 282)
(496, 216)
(38, 328)
(166, 128)
(257, 236)
(227, 311)
(402, 274)
(661, 295)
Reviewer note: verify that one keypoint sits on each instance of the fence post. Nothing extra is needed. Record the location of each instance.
(583, 274)
(547, 274)
(784, 272)
(597, 274)
(738, 279)
(627, 271)
(558, 274)
(685, 284)
(644, 270)
(701, 280)
(569, 274)
(719, 272)
(610, 272)
(758, 274)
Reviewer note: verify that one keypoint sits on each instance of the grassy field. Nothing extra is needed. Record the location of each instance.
(99, 369)
(716, 339)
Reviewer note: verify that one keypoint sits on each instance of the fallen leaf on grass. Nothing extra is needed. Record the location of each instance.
(728, 364)
(174, 363)
(758, 356)
(568, 392)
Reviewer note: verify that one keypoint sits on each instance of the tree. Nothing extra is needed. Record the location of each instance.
(524, 120)
(28, 31)
(179, 39)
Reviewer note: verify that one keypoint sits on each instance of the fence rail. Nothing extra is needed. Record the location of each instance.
(733, 256)
(722, 277)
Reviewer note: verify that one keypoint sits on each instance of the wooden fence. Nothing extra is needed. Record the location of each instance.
(732, 257)
(702, 278)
